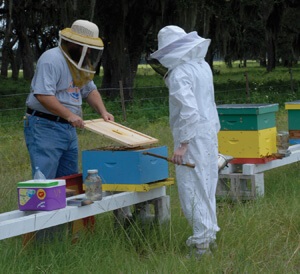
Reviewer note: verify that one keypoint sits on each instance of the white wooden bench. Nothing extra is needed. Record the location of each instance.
(18, 222)
(246, 181)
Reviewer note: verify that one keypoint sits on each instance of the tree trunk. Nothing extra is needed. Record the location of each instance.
(124, 39)
(5, 59)
(6, 47)
(14, 67)
(270, 53)
(21, 10)
(114, 47)
(113, 60)
(27, 56)
(272, 12)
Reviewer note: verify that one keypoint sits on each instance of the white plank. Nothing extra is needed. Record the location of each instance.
(14, 214)
(18, 225)
(249, 169)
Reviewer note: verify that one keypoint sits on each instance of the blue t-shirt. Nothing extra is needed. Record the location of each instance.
(53, 77)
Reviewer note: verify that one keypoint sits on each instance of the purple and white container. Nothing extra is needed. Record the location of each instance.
(45, 195)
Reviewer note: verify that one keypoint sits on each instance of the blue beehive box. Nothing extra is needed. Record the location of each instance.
(127, 166)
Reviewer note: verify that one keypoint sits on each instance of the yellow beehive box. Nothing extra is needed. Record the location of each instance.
(248, 144)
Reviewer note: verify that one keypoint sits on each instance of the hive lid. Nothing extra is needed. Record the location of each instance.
(247, 108)
(119, 133)
(293, 105)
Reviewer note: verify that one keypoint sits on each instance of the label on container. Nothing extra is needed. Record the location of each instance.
(25, 195)
(41, 194)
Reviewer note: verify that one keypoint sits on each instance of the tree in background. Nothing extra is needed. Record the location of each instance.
(8, 41)
(126, 25)
(289, 36)
(240, 30)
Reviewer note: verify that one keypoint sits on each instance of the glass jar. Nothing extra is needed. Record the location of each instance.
(93, 185)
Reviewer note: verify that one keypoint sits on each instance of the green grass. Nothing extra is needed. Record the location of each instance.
(260, 236)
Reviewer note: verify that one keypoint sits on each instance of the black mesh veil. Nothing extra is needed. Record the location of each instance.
(157, 66)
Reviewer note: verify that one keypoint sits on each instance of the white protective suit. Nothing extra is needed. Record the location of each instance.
(194, 120)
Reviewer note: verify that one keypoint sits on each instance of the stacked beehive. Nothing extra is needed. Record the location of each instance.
(293, 109)
(248, 132)
(128, 165)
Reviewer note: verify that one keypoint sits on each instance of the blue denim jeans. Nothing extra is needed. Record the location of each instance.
(52, 146)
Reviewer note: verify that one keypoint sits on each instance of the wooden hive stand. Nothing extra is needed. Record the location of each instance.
(246, 181)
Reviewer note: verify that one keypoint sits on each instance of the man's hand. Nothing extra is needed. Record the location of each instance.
(75, 121)
(107, 116)
(179, 153)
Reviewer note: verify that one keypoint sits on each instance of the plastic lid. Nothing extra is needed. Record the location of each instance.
(92, 171)
(37, 183)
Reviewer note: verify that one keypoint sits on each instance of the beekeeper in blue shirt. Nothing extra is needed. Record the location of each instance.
(63, 78)
(194, 123)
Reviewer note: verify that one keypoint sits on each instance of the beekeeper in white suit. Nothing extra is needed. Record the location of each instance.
(194, 123)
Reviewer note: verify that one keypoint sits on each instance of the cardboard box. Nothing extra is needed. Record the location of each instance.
(127, 166)
(74, 182)
(247, 116)
(42, 195)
